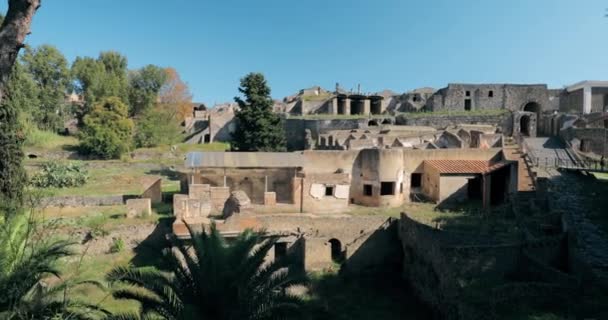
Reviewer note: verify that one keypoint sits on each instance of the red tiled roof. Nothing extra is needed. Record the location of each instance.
(465, 166)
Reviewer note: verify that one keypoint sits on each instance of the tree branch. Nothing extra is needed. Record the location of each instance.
(14, 29)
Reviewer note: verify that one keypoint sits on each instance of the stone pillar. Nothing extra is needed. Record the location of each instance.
(382, 106)
(296, 196)
(334, 106)
(346, 105)
(366, 106)
(586, 99)
(270, 198)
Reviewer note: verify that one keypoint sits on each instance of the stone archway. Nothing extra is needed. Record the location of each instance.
(532, 107)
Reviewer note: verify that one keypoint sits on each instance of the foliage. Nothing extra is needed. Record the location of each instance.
(259, 128)
(27, 258)
(144, 86)
(107, 129)
(36, 138)
(118, 245)
(175, 95)
(23, 93)
(60, 175)
(12, 174)
(157, 126)
(49, 70)
(213, 280)
(100, 78)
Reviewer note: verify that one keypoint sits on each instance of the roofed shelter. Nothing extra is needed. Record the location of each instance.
(463, 180)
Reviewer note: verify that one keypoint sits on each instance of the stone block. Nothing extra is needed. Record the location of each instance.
(238, 203)
(139, 208)
(198, 191)
(270, 198)
(180, 207)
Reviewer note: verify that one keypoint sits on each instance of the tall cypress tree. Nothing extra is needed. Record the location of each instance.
(258, 128)
(12, 174)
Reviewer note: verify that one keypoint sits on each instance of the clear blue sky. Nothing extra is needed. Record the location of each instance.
(394, 44)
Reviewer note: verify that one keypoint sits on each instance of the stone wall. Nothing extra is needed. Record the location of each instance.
(587, 139)
(295, 129)
(84, 201)
(512, 97)
(444, 120)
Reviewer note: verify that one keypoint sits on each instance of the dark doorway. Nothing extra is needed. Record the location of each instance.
(584, 147)
(372, 123)
(280, 250)
(386, 121)
(498, 185)
(341, 108)
(336, 251)
(474, 188)
(467, 104)
(206, 138)
(416, 181)
(524, 125)
(367, 190)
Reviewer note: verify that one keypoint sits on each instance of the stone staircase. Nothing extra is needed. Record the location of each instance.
(512, 152)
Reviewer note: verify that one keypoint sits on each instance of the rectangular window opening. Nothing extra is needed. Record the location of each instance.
(491, 94)
(387, 188)
(468, 93)
(367, 190)
(329, 191)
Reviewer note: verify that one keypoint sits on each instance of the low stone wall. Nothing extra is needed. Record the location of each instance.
(444, 120)
(587, 139)
(84, 201)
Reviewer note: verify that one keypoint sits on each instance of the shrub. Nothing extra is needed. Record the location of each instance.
(156, 127)
(60, 175)
(118, 245)
(107, 130)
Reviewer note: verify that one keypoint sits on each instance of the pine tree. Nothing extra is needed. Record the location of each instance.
(258, 128)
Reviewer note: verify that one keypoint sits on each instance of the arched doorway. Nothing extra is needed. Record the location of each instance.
(336, 250)
(532, 107)
(524, 126)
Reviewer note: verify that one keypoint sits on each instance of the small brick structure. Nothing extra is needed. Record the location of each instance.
(270, 198)
(139, 208)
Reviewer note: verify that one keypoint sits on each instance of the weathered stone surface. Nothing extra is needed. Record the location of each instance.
(198, 191)
(139, 208)
(153, 189)
(270, 198)
(83, 201)
(238, 203)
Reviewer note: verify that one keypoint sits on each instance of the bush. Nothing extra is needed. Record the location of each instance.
(107, 130)
(118, 245)
(157, 127)
(60, 175)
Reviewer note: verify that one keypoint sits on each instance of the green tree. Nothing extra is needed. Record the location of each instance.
(107, 129)
(100, 78)
(49, 69)
(157, 126)
(21, 96)
(213, 280)
(26, 259)
(258, 127)
(144, 86)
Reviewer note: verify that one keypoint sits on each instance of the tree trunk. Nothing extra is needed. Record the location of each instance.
(14, 29)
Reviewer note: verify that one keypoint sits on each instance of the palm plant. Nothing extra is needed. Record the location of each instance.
(26, 260)
(213, 280)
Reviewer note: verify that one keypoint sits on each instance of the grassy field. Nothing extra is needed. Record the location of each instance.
(116, 177)
(44, 140)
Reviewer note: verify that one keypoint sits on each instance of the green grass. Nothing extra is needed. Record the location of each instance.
(187, 147)
(45, 140)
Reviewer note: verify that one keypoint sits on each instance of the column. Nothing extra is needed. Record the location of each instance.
(366, 106)
(346, 105)
(587, 99)
(334, 106)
